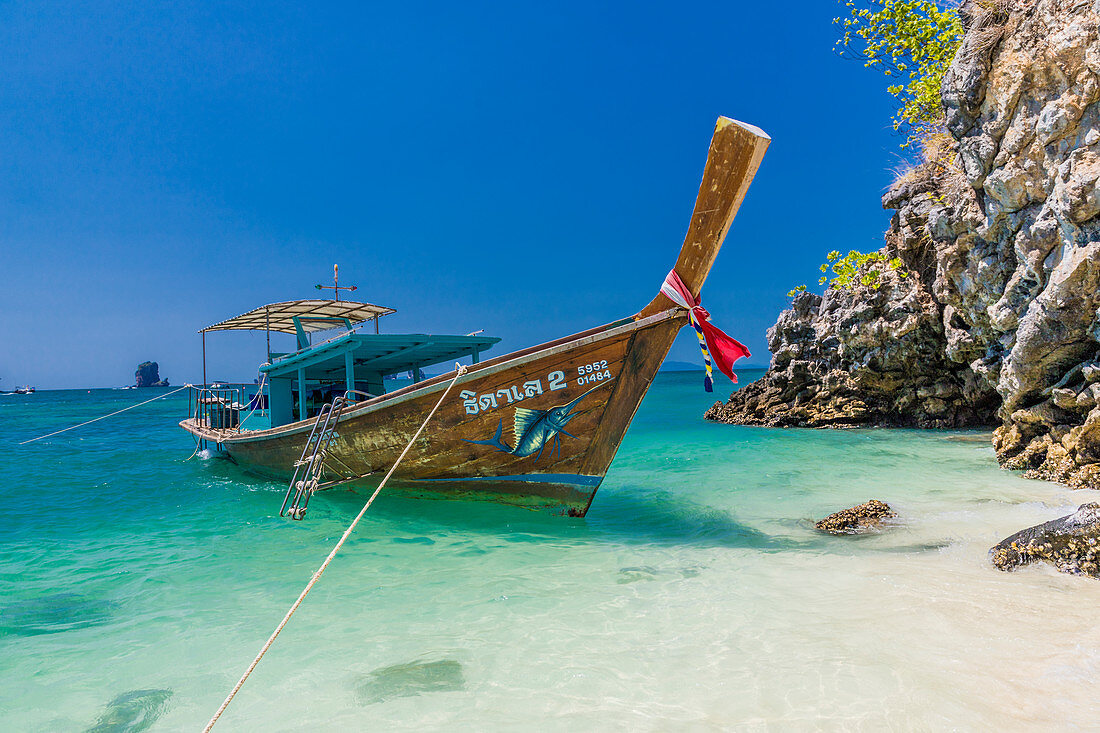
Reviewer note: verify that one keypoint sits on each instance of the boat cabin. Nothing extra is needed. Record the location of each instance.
(332, 357)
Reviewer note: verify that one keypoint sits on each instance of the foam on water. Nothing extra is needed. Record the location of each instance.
(137, 586)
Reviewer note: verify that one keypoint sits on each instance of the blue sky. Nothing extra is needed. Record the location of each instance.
(524, 169)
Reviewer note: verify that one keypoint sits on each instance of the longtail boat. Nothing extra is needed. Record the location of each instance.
(538, 427)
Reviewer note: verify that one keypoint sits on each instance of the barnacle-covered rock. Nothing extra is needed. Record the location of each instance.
(858, 519)
(1071, 544)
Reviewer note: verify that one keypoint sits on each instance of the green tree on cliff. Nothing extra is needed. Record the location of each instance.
(913, 43)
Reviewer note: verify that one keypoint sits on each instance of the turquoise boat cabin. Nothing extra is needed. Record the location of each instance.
(333, 357)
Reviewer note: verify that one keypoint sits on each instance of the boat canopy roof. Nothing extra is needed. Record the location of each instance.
(310, 315)
(376, 354)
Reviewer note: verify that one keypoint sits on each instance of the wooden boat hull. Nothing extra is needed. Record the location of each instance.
(538, 427)
(575, 399)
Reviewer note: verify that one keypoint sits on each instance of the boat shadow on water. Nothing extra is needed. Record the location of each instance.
(625, 515)
(654, 519)
(628, 515)
(665, 518)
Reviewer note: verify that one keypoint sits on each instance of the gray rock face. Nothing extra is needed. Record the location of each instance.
(1071, 544)
(998, 320)
(148, 375)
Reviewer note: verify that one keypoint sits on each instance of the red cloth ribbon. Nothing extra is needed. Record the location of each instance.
(724, 349)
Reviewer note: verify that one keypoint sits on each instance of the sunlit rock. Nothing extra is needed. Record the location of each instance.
(994, 316)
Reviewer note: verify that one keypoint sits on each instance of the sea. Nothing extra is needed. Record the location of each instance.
(138, 580)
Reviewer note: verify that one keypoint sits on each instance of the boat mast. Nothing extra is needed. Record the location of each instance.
(267, 330)
(335, 287)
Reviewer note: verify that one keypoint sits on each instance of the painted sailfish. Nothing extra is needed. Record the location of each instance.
(534, 429)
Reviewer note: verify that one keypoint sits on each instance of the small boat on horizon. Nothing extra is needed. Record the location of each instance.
(25, 389)
(537, 427)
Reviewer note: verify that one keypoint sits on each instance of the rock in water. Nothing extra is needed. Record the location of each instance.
(148, 375)
(1070, 543)
(410, 680)
(53, 613)
(992, 317)
(132, 711)
(858, 519)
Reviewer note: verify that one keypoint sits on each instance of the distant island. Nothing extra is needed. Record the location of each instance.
(672, 365)
(687, 366)
(148, 375)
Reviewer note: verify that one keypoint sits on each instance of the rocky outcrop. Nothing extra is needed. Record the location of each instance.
(994, 316)
(859, 519)
(873, 357)
(148, 375)
(1071, 544)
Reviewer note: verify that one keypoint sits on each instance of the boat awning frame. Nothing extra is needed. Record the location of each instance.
(378, 354)
(309, 315)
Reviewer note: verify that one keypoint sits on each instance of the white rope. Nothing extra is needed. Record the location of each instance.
(124, 409)
(259, 399)
(459, 371)
(198, 444)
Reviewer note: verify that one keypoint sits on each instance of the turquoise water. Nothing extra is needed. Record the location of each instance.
(137, 586)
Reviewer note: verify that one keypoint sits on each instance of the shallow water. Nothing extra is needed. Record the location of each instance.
(137, 586)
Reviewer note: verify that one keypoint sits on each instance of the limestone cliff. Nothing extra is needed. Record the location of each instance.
(993, 318)
(148, 375)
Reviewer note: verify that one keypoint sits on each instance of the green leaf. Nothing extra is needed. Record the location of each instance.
(911, 39)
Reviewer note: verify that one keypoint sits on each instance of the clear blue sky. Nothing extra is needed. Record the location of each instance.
(528, 170)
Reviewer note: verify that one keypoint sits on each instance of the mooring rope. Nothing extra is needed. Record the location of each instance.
(256, 405)
(459, 371)
(198, 445)
(101, 417)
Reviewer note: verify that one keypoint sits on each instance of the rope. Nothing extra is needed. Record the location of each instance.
(198, 444)
(124, 409)
(259, 400)
(459, 371)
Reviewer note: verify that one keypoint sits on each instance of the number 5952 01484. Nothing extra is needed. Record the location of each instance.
(597, 371)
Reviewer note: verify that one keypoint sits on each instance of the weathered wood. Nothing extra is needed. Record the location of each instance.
(735, 154)
(644, 356)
